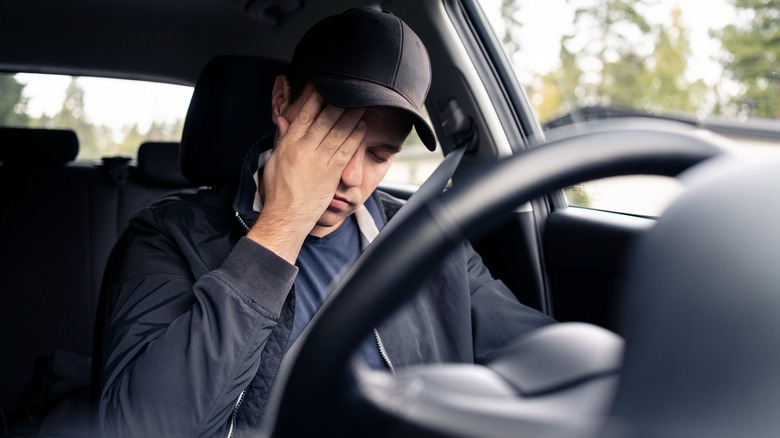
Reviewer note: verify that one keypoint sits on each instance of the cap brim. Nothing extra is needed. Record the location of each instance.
(353, 93)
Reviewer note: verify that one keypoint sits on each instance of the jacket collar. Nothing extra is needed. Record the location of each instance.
(242, 204)
(247, 205)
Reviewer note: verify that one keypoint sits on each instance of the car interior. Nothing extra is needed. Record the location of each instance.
(667, 324)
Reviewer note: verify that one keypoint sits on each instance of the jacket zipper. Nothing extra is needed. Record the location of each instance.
(240, 219)
(383, 352)
(234, 415)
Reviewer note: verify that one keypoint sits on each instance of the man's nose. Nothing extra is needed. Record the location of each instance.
(352, 176)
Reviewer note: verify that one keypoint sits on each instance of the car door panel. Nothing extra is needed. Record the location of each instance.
(586, 253)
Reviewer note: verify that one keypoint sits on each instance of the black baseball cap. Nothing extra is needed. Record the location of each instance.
(368, 58)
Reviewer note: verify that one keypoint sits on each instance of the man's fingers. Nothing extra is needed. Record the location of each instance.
(342, 131)
(306, 116)
(325, 127)
(283, 125)
(329, 130)
(316, 125)
(347, 149)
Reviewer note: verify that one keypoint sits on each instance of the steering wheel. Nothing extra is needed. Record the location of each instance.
(321, 391)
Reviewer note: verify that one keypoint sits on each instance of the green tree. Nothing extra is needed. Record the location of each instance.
(752, 53)
(510, 13)
(72, 116)
(156, 131)
(615, 57)
(602, 62)
(669, 88)
(578, 195)
(176, 129)
(72, 110)
(612, 57)
(132, 140)
(164, 131)
(95, 141)
(553, 94)
(44, 121)
(549, 92)
(12, 102)
(104, 140)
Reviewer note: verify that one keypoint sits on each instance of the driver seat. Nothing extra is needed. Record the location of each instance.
(229, 111)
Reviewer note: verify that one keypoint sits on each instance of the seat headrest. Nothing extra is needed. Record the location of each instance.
(230, 110)
(30, 147)
(158, 163)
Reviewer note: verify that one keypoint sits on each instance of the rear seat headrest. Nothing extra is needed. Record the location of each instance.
(230, 110)
(30, 147)
(158, 163)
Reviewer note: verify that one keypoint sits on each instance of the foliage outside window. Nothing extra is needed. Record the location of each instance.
(415, 163)
(114, 117)
(711, 64)
(111, 117)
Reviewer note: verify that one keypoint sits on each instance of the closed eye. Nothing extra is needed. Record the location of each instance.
(381, 153)
(379, 157)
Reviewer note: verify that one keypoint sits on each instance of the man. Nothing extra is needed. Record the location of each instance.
(208, 302)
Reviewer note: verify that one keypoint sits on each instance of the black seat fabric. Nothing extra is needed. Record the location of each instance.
(59, 221)
(158, 165)
(229, 111)
(48, 232)
(37, 147)
(156, 175)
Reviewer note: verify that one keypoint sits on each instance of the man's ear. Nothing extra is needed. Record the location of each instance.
(280, 97)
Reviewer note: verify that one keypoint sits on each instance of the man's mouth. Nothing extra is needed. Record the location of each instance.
(339, 202)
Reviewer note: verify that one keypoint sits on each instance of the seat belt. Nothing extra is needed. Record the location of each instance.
(462, 130)
(435, 184)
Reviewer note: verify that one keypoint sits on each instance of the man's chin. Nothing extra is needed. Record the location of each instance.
(329, 222)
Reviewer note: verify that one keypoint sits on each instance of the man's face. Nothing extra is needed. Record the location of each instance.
(387, 129)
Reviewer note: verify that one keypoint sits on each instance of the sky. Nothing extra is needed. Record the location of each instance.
(139, 102)
(547, 21)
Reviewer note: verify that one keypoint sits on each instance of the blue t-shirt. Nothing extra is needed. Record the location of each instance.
(321, 263)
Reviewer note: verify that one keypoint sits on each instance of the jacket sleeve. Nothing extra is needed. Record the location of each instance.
(180, 349)
(498, 318)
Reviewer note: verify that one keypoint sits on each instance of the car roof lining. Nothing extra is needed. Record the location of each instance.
(208, 28)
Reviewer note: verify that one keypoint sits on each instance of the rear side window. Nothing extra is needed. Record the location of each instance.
(415, 163)
(111, 117)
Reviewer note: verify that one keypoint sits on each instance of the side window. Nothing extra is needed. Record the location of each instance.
(111, 117)
(415, 163)
(707, 64)
(642, 195)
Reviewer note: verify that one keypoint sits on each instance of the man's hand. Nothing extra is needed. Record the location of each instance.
(303, 173)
